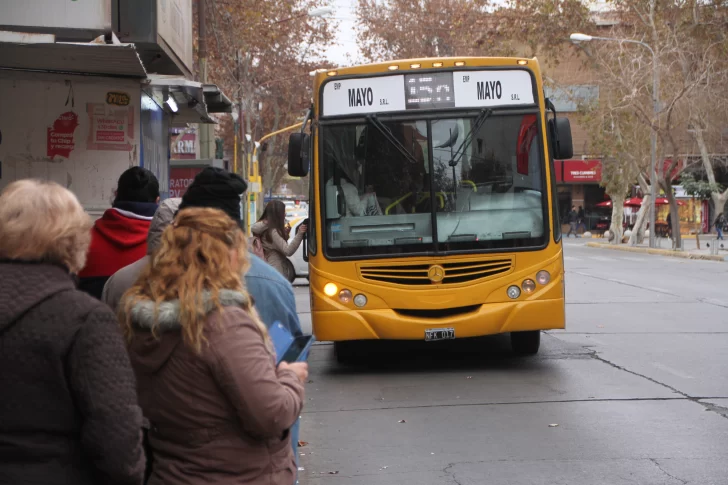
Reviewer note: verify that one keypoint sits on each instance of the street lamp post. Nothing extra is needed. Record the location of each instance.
(655, 112)
(316, 12)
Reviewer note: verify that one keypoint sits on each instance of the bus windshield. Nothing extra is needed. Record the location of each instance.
(433, 186)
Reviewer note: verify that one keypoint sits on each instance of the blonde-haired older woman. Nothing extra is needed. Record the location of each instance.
(69, 409)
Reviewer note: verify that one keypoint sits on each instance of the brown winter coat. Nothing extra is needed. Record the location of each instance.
(221, 416)
(277, 250)
(68, 405)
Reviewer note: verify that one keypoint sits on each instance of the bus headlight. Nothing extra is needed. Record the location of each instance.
(513, 292)
(330, 289)
(543, 277)
(529, 286)
(360, 300)
(345, 296)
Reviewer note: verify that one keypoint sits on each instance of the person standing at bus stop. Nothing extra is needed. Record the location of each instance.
(272, 232)
(120, 237)
(219, 408)
(68, 411)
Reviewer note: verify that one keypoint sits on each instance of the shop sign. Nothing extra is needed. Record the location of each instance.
(180, 178)
(110, 127)
(184, 147)
(60, 135)
(117, 99)
(582, 171)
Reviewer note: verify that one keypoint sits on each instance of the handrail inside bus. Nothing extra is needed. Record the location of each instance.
(470, 182)
(439, 195)
(395, 203)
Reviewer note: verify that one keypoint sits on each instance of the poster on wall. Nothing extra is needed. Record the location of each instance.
(180, 178)
(110, 127)
(60, 141)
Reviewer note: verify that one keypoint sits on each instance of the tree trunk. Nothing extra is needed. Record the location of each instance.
(719, 198)
(638, 231)
(674, 216)
(699, 231)
(616, 228)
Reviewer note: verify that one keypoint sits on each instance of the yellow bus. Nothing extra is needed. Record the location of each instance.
(433, 208)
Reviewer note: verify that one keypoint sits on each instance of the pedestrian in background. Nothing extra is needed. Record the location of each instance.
(68, 412)
(219, 410)
(573, 218)
(581, 220)
(271, 229)
(120, 237)
(719, 225)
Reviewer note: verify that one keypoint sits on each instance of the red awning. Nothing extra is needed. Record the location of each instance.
(664, 201)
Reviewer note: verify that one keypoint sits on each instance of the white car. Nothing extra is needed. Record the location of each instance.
(299, 264)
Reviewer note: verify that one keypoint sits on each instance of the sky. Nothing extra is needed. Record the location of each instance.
(346, 35)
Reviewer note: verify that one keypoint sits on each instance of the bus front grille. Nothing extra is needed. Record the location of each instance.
(424, 275)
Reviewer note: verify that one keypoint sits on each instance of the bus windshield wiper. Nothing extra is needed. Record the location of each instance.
(484, 115)
(381, 127)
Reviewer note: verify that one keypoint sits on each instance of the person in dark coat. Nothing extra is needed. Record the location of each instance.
(573, 218)
(68, 412)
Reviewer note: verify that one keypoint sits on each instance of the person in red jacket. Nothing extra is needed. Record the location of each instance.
(119, 238)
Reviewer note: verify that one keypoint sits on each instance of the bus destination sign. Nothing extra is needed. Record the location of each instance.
(433, 90)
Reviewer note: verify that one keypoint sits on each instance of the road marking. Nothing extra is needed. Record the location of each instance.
(602, 258)
(672, 371)
(571, 258)
(637, 260)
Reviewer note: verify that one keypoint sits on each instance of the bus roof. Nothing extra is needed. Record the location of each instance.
(445, 63)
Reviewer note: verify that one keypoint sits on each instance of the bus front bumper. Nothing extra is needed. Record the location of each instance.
(488, 319)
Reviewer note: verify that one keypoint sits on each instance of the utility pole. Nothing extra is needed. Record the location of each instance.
(204, 130)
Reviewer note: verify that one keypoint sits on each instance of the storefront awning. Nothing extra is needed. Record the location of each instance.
(187, 101)
(116, 60)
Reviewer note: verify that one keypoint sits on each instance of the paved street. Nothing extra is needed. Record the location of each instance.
(636, 384)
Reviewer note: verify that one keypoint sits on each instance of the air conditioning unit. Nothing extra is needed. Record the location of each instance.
(161, 31)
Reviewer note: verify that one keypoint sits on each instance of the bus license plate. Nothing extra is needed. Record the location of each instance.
(432, 334)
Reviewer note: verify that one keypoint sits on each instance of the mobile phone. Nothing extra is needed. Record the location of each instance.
(298, 349)
(282, 338)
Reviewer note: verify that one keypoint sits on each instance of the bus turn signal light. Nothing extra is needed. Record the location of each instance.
(529, 286)
(330, 289)
(543, 277)
(345, 296)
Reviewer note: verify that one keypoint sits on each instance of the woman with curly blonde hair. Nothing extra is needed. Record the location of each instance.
(219, 409)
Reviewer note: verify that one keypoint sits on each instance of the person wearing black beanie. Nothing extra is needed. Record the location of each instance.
(218, 189)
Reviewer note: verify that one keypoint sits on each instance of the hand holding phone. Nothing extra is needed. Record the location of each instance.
(300, 368)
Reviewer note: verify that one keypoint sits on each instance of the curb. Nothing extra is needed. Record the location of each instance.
(661, 252)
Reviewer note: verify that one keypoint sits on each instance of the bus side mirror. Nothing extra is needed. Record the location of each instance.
(298, 149)
(560, 138)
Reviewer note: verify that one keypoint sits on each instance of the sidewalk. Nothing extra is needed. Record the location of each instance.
(664, 248)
